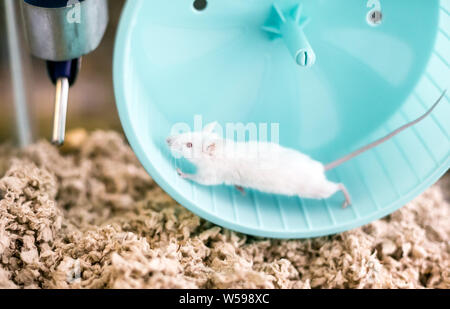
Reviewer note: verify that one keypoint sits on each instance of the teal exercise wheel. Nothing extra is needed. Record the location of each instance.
(331, 76)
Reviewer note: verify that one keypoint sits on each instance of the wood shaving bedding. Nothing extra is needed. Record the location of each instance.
(93, 218)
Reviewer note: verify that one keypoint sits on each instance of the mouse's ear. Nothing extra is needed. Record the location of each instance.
(209, 147)
(209, 128)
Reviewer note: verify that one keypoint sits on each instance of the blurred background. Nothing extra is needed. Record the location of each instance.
(91, 99)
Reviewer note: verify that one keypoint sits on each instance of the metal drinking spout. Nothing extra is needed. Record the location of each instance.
(59, 120)
(289, 27)
(63, 74)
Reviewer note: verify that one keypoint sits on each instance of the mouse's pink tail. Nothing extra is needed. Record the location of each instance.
(337, 163)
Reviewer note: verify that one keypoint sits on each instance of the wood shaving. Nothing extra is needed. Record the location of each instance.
(93, 218)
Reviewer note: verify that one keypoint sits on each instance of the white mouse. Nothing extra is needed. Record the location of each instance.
(266, 167)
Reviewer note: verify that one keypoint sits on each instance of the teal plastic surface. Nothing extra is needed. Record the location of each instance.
(234, 62)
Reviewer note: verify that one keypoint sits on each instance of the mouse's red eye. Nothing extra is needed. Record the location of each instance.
(189, 145)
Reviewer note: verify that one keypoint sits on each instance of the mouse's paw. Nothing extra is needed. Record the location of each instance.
(241, 189)
(348, 199)
(181, 174)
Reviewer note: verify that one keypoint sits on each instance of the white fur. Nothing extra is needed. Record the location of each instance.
(266, 167)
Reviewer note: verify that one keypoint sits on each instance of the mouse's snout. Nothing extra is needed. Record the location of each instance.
(169, 141)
